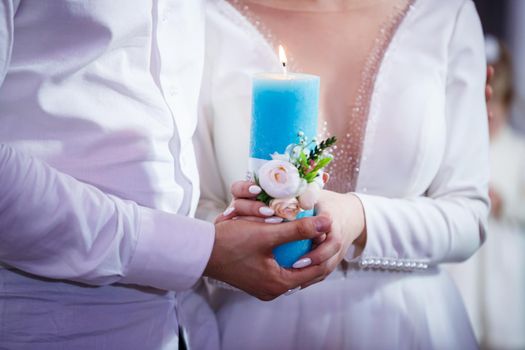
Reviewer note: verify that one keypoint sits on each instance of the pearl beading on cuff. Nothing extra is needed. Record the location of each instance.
(392, 264)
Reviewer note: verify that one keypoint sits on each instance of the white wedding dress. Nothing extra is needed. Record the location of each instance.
(422, 177)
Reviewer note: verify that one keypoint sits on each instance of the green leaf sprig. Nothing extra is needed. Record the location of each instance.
(310, 162)
(319, 149)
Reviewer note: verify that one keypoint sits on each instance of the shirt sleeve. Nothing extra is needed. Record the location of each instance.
(449, 223)
(55, 226)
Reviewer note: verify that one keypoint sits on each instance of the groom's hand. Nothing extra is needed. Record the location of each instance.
(242, 255)
(245, 207)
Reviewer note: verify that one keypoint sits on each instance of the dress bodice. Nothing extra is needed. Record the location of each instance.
(345, 47)
(423, 168)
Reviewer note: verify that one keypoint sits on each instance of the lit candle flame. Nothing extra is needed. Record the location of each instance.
(282, 58)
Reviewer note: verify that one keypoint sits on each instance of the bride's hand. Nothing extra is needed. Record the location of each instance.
(245, 207)
(348, 227)
(345, 210)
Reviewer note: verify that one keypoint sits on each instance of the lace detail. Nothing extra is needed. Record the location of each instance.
(344, 172)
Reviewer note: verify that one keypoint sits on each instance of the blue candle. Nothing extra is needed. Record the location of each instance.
(283, 105)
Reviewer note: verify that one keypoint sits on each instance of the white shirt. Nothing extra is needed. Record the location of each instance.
(97, 111)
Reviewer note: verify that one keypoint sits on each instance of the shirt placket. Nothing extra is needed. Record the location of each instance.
(169, 37)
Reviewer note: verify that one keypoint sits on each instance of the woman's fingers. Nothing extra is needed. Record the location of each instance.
(249, 207)
(244, 205)
(226, 214)
(306, 276)
(270, 220)
(329, 265)
(241, 208)
(245, 189)
(319, 240)
(323, 252)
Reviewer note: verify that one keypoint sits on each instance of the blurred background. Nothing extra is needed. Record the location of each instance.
(492, 282)
(505, 19)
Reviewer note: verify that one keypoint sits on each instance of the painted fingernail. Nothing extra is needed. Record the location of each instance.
(299, 264)
(254, 189)
(274, 220)
(228, 211)
(292, 291)
(266, 211)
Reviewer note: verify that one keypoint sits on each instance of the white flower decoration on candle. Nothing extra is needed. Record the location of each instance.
(292, 182)
(280, 179)
(286, 208)
(310, 196)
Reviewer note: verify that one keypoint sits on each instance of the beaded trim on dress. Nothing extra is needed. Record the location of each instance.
(344, 171)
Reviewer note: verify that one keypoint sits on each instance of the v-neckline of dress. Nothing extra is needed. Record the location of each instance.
(345, 169)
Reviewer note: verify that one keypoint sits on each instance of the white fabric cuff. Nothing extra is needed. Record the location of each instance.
(380, 248)
(172, 251)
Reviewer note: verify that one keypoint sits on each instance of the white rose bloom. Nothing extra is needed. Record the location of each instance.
(280, 179)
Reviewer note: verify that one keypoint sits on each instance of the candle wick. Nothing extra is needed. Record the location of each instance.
(284, 68)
